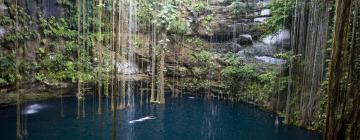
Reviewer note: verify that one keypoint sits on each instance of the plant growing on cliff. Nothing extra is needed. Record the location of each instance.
(205, 63)
(238, 8)
(198, 6)
(169, 20)
(281, 16)
(236, 74)
(59, 67)
(56, 28)
(13, 42)
(7, 69)
(145, 13)
(21, 34)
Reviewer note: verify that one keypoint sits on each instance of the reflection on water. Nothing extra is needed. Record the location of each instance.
(179, 119)
(34, 108)
(191, 97)
(211, 124)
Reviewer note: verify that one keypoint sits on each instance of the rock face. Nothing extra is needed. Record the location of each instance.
(225, 25)
(48, 7)
(230, 47)
(51, 8)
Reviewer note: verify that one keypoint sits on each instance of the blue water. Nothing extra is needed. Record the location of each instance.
(179, 119)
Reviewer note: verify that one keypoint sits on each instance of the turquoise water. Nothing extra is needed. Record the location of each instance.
(180, 119)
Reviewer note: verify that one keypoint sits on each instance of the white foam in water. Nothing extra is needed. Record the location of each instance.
(277, 38)
(265, 12)
(127, 68)
(2, 31)
(34, 108)
(261, 20)
(270, 60)
(191, 97)
(143, 119)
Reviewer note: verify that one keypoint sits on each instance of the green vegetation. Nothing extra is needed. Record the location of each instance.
(86, 45)
(7, 69)
(244, 82)
(23, 33)
(198, 6)
(238, 8)
(146, 11)
(168, 19)
(282, 13)
(19, 33)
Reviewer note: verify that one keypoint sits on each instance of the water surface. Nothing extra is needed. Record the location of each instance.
(180, 119)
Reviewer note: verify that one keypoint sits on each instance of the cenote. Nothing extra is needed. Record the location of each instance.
(185, 118)
(179, 69)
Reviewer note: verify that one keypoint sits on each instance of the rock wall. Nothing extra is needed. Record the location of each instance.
(226, 25)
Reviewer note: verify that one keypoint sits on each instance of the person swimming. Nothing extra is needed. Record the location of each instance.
(143, 119)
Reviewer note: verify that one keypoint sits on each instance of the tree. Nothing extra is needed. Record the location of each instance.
(334, 125)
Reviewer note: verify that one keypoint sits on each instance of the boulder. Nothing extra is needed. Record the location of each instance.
(223, 30)
(244, 39)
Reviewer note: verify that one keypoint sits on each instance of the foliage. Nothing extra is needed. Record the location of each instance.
(58, 67)
(281, 11)
(56, 29)
(18, 32)
(284, 55)
(7, 68)
(238, 8)
(169, 20)
(245, 82)
(236, 74)
(18, 27)
(196, 42)
(6, 21)
(204, 57)
(145, 11)
(205, 61)
(320, 115)
(71, 61)
(198, 6)
(288, 56)
(209, 17)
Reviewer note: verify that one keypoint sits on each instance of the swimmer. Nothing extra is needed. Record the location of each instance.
(143, 119)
